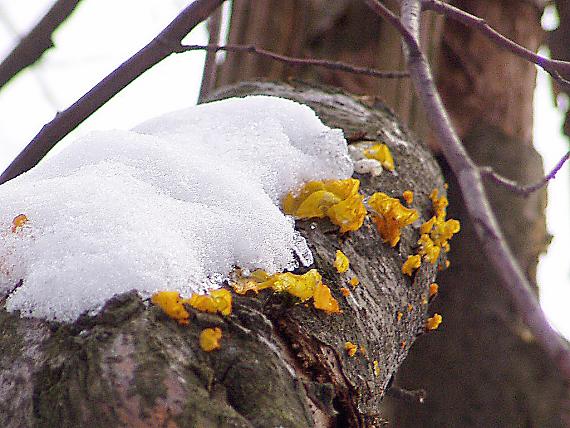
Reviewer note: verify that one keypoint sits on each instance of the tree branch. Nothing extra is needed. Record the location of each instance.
(67, 120)
(415, 397)
(470, 181)
(332, 65)
(36, 42)
(553, 67)
(523, 190)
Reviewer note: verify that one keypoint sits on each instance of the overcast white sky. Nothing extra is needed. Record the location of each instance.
(85, 54)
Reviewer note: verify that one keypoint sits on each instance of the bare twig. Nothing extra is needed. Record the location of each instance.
(332, 65)
(10, 292)
(553, 67)
(36, 42)
(523, 190)
(209, 73)
(471, 184)
(416, 396)
(67, 120)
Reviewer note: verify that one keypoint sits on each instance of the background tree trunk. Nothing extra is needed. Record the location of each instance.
(280, 363)
(484, 368)
(342, 30)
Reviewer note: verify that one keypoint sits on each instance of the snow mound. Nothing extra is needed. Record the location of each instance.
(174, 204)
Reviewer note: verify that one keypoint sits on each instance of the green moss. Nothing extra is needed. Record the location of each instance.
(149, 372)
(11, 345)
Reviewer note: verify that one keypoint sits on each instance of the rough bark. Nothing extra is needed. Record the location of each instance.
(484, 369)
(489, 370)
(560, 48)
(281, 364)
(342, 30)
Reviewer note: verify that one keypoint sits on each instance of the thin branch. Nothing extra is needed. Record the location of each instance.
(209, 73)
(332, 65)
(471, 184)
(523, 190)
(36, 42)
(67, 120)
(553, 67)
(417, 396)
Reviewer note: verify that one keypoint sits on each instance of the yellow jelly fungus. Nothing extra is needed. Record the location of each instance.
(317, 204)
(433, 289)
(410, 307)
(339, 189)
(408, 197)
(171, 304)
(345, 291)
(433, 323)
(381, 153)
(348, 214)
(354, 281)
(324, 300)
(362, 350)
(436, 232)
(351, 349)
(428, 226)
(439, 204)
(376, 368)
(215, 301)
(411, 264)
(444, 230)
(428, 250)
(302, 286)
(400, 316)
(338, 200)
(447, 264)
(341, 262)
(18, 222)
(390, 216)
(257, 281)
(210, 339)
(424, 301)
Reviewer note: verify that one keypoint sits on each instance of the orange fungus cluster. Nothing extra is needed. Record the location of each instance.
(381, 153)
(210, 339)
(341, 262)
(338, 200)
(390, 216)
(304, 287)
(18, 222)
(433, 323)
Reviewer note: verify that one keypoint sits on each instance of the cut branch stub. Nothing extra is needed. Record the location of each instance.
(280, 363)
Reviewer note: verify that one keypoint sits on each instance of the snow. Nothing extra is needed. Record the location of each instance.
(363, 165)
(174, 204)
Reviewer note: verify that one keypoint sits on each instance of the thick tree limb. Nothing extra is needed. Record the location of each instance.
(470, 181)
(555, 68)
(331, 65)
(36, 42)
(67, 120)
(523, 190)
(280, 363)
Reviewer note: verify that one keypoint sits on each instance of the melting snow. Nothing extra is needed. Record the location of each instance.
(173, 204)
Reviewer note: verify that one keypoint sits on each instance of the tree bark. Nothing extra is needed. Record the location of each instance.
(490, 371)
(280, 364)
(343, 30)
(557, 42)
(484, 368)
